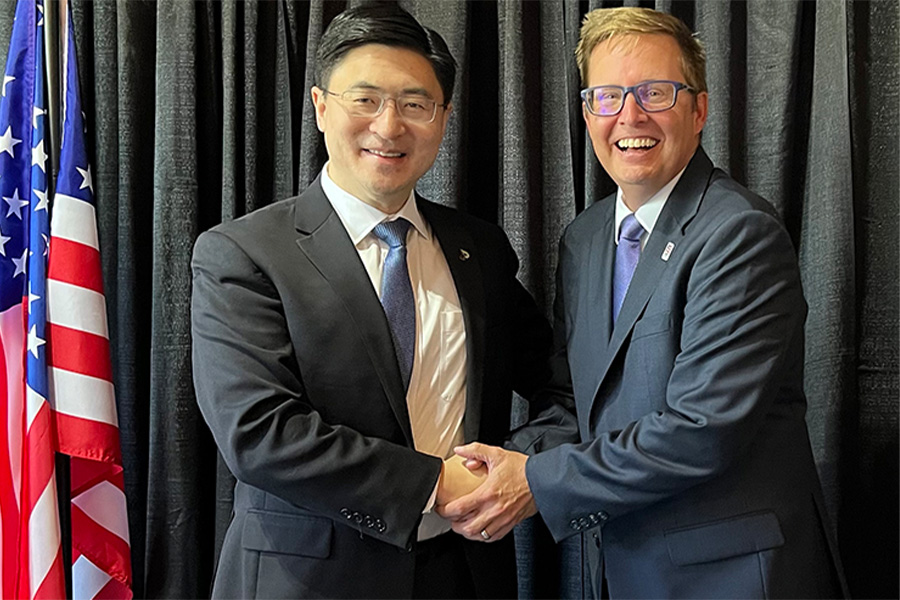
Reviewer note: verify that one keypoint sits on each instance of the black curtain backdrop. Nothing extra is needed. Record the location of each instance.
(199, 112)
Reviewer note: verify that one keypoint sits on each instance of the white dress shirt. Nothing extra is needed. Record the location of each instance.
(647, 213)
(436, 397)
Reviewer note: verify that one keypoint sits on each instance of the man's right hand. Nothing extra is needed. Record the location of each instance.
(457, 480)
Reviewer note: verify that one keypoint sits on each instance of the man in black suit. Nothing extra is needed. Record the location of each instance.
(673, 435)
(347, 339)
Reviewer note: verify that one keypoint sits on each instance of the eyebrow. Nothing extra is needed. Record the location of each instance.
(365, 85)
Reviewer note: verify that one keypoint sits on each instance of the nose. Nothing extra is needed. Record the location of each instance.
(389, 124)
(631, 111)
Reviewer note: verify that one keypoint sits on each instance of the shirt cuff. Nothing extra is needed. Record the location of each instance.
(429, 506)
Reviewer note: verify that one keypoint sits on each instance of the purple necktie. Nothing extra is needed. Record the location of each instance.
(627, 254)
(397, 294)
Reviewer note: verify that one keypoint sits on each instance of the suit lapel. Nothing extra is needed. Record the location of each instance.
(463, 261)
(598, 304)
(601, 264)
(324, 240)
(661, 249)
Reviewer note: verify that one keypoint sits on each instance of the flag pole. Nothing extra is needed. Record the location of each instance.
(51, 69)
(52, 32)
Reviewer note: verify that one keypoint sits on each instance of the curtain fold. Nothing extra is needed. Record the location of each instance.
(868, 462)
(177, 527)
(199, 112)
(827, 253)
(123, 97)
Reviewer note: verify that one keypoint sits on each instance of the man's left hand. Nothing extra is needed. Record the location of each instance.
(500, 503)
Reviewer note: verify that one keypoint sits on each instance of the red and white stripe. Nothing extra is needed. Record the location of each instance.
(31, 548)
(84, 404)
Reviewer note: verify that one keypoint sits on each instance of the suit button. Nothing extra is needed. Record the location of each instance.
(357, 517)
(345, 512)
(583, 523)
(369, 522)
(593, 519)
(380, 526)
(604, 516)
(573, 524)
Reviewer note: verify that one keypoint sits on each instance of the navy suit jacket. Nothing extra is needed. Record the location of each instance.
(675, 439)
(297, 378)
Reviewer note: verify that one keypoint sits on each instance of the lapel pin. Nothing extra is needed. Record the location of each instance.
(668, 251)
(463, 255)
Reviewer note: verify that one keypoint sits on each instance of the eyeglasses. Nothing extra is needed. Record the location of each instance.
(415, 108)
(651, 96)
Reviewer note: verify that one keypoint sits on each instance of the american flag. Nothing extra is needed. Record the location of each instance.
(54, 340)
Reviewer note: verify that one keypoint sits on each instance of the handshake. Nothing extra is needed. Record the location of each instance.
(483, 492)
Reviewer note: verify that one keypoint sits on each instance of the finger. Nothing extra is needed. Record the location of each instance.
(462, 530)
(473, 464)
(490, 521)
(501, 533)
(493, 519)
(461, 508)
(475, 450)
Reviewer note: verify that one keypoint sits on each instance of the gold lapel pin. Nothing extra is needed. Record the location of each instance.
(463, 255)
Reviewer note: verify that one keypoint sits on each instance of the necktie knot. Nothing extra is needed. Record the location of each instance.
(393, 233)
(631, 230)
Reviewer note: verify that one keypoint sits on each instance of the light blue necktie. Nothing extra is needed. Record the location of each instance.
(397, 294)
(627, 254)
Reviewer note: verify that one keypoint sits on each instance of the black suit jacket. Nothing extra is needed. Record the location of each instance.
(688, 459)
(297, 378)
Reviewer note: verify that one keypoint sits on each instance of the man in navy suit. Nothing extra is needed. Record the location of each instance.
(345, 340)
(673, 436)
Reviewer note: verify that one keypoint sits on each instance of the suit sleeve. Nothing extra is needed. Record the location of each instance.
(743, 312)
(251, 394)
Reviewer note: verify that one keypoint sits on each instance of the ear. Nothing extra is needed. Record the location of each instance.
(318, 100)
(446, 118)
(701, 111)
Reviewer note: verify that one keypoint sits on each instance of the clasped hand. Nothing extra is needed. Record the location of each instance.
(483, 489)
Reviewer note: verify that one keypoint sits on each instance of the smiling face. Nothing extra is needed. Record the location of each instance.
(643, 151)
(380, 159)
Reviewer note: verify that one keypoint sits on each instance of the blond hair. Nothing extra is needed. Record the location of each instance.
(605, 23)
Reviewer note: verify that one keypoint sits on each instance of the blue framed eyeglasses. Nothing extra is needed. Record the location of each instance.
(651, 96)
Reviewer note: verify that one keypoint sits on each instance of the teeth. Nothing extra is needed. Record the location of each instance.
(636, 143)
(386, 154)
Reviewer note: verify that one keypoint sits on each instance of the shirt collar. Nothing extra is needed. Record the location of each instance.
(648, 213)
(359, 218)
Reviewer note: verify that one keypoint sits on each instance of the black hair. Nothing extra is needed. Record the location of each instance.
(388, 24)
